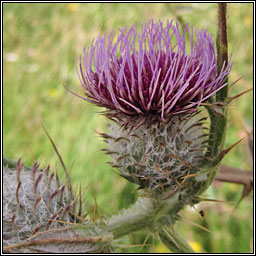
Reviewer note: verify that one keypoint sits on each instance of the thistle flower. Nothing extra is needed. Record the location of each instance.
(154, 83)
(153, 74)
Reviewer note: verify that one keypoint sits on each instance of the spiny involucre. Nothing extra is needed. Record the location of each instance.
(152, 83)
(40, 215)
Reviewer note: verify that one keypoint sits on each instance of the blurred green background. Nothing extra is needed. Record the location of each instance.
(41, 43)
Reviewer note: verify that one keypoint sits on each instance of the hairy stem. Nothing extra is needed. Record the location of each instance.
(154, 216)
(138, 217)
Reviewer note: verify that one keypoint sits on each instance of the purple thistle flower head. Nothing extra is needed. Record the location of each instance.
(160, 72)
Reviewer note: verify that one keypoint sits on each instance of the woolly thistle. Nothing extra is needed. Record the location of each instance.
(39, 215)
(153, 92)
(154, 86)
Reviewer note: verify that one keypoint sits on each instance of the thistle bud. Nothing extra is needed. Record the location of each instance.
(40, 216)
(31, 202)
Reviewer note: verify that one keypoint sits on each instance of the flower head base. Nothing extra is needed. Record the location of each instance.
(165, 158)
(151, 74)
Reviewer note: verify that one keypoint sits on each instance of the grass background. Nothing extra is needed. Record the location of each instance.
(41, 43)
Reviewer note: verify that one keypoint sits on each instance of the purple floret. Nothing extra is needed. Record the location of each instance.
(156, 72)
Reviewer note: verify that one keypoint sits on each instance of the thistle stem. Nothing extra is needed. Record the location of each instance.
(146, 214)
(222, 46)
(138, 217)
(219, 120)
(218, 128)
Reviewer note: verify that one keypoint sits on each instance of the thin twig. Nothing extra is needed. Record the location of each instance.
(234, 175)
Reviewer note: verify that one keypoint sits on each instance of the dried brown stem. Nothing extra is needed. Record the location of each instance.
(234, 175)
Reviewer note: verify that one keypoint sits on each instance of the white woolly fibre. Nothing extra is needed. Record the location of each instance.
(159, 157)
(25, 215)
(37, 218)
